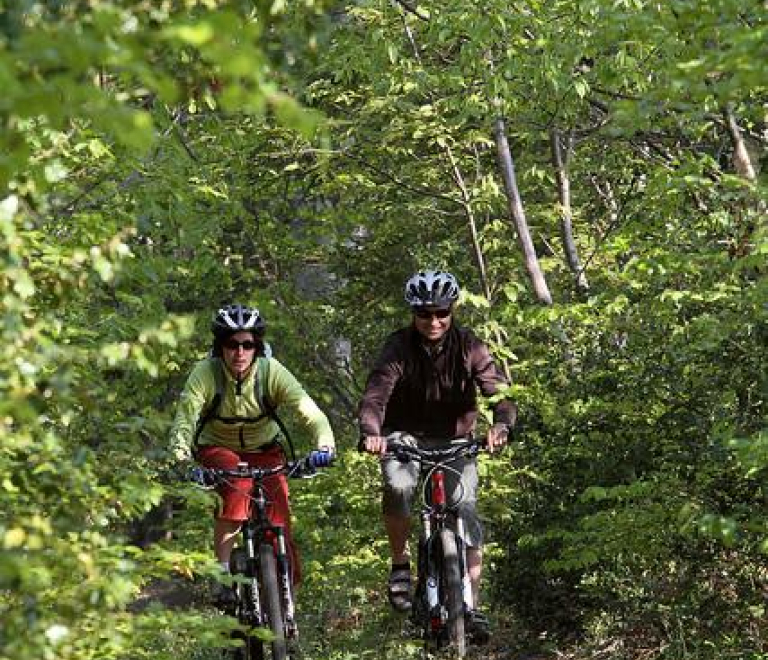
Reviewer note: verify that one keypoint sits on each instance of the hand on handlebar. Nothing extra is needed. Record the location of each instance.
(322, 457)
(375, 444)
(202, 477)
(497, 437)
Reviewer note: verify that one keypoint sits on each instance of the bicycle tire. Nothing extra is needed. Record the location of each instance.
(271, 602)
(452, 591)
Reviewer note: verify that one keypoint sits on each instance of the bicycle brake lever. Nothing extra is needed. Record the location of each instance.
(401, 454)
(303, 469)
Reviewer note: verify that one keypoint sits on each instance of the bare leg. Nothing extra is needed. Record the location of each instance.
(399, 584)
(398, 530)
(224, 535)
(475, 569)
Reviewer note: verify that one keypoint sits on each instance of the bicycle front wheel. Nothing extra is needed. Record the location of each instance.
(252, 647)
(271, 602)
(452, 591)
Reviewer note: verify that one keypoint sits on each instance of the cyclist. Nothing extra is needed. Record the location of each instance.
(423, 389)
(219, 430)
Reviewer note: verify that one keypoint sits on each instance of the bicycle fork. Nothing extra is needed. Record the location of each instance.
(286, 589)
(280, 546)
(466, 582)
(431, 587)
(252, 606)
(435, 610)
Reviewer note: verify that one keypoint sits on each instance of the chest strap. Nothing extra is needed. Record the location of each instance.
(262, 398)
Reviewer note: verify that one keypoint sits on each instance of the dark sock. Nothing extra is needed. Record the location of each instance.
(405, 565)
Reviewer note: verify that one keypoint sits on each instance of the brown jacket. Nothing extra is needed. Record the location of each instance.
(432, 396)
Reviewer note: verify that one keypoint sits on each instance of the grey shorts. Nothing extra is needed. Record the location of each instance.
(401, 481)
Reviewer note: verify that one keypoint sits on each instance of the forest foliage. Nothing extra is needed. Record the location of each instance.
(160, 158)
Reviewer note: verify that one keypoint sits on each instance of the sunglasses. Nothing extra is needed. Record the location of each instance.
(233, 345)
(437, 313)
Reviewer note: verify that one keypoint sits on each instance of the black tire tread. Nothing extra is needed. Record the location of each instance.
(271, 601)
(452, 590)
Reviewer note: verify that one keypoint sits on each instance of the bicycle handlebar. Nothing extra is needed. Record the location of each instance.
(302, 468)
(465, 448)
(437, 459)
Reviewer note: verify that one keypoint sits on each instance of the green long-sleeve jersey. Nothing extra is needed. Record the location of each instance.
(239, 401)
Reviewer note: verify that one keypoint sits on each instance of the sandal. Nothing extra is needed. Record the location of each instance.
(399, 588)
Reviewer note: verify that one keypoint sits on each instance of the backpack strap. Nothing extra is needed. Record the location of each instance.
(264, 401)
(262, 398)
(213, 407)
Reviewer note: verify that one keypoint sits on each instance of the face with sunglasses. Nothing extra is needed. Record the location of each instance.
(432, 323)
(238, 352)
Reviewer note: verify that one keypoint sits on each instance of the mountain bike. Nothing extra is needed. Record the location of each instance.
(260, 563)
(443, 594)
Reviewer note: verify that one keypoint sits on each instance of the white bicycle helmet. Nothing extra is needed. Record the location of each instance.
(433, 288)
(236, 318)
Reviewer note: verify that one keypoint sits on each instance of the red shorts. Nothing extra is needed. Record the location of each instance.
(235, 494)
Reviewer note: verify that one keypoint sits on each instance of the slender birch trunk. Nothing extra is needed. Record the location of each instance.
(754, 212)
(742, 162)
(560, 163)
(518, 213)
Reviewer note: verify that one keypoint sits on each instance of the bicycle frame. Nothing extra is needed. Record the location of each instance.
(257, 530)
(262, 560)
(435, 517)
(444, 591)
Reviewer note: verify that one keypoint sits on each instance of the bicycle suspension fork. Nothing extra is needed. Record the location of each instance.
(252, 606)
(286, 589)
(427, 568)
(466, 582)
(439, 496)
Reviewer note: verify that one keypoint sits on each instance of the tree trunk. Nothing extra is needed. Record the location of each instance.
(518, 214)
(742, 163)
(560, 164)
(753, 211)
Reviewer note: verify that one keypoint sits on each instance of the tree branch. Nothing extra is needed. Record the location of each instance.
(411, 9)
(467, 206)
